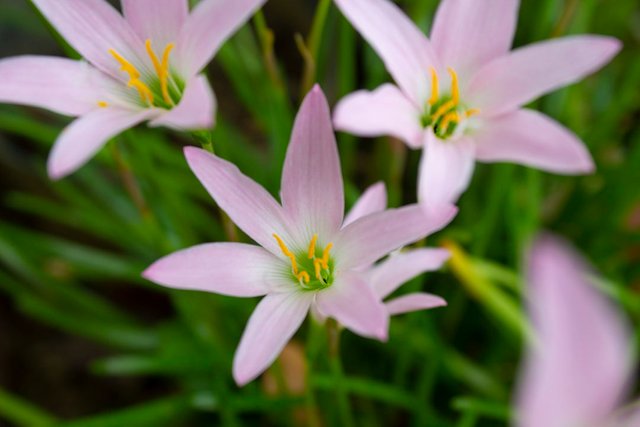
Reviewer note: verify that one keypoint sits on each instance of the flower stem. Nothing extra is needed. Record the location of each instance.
(309, 48)
(130, 183)
(344, 408)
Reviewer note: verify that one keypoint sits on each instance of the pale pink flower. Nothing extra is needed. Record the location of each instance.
(578, 369)
(459, 95)
(143, 66)
(307, 257)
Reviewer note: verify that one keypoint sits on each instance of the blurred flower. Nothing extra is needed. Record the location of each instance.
(143, 66)
(578, 371)
(459, 95)
(309, 258)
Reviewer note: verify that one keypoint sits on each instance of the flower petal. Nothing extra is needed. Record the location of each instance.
(399, 269)
(195, 111)
(368, 239)
(446, 169)
(373, 200)
(530, 72)
(86, 135)
(93, 27)
(469, 33)
(351, 301)
(274, 321)
(249, 205)
(414, 302)
(385, 111)
(67, 87)
(533, 139)
(210, 24)
(157, 20)
(312, 189)
(405, 50)
(233, 269)
(578, 372)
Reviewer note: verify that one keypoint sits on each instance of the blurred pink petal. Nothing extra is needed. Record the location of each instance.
(196, 109)
(86, 135)
(67, 87)
(210, 24)
(389, 275)
(370, 238)
(352, 302)
(312, 189)
(414, 302)
(385, 111)
(446, 169)
(532, 71)
(249, 205)
(533, 139)
(373, 200)
(158, 20)
(405, 50)
(233, 269)
(272, 324)
(578, 372)
(469, 33)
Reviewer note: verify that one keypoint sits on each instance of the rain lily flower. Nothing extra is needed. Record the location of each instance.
(578, 372)
(143, 66)
(307, 258)
(460, 94)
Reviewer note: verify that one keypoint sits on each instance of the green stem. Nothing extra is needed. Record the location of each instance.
(309, 48)
(344, 408)
(130, 183)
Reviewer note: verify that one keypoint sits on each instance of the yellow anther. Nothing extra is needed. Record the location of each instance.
(162, 68)
(455, 89)
(325, 255)
(143, 90)
(312, 246)
(435, 92)
(102, 104)
(472, 112)
(444, 108)
(317, 265)
(452, 117)
(285, 250)
(303, 275)
(125, 65)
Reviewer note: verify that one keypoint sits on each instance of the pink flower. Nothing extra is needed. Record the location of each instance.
(459, 95)
(577, 373)
(307, 258)
(144, 66)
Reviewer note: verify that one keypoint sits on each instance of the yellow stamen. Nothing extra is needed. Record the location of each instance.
(285, 250)
(102, 104)
(452, 117)
(162, 68)
(312, 246)
(472, 112)
(443, 110)
(134, 77)
(317, 265)
(303, 276)
(455, 89)
(434, 87)
(325, 255)
(143, 90)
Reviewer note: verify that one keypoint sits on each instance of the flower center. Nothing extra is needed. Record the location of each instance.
(160, 90)
(444, 113)
(312, 270)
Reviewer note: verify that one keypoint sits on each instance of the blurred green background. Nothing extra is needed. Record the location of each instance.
(85, 342)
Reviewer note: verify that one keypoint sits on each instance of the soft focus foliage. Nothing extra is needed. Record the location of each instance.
(87, 342)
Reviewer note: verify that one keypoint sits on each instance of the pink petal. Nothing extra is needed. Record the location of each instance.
(578, 372)
(351, 301)
(196, 109)
(385, 111)
(85, 136)
(469, 33)
(414, 302)
(233, 269)
(93, 27)
(158, 20)
(248, 205)
(399, 269)
(312, 189)
(373, 200)
(67, 87)
(274, 321)
(530, 72)
(533, 139)
(365, 241)
(446, 169)
(210, 24)
(405, 50)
